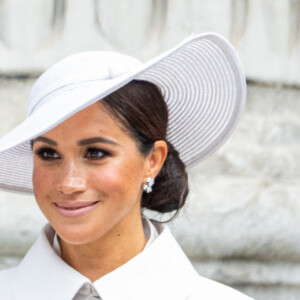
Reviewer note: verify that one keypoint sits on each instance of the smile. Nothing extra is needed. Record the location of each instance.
(75, 209)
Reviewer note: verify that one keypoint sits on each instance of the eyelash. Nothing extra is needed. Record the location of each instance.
(90, 151)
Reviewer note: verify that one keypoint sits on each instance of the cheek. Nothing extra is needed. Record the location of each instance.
(122, 182)
(42, 180)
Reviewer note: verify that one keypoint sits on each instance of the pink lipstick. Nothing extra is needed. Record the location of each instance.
(75, 209)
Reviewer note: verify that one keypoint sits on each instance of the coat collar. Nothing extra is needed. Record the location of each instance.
(161, 268)
(42, 274)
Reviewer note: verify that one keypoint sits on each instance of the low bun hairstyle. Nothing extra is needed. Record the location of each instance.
(139, 107)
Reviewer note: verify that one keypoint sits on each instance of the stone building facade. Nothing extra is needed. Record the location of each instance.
(241, 224)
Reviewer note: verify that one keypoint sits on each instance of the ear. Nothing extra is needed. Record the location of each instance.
(156, 158)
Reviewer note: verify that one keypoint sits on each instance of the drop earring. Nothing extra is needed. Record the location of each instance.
(148, 186)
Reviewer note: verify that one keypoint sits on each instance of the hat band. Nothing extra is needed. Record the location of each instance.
(64, 88)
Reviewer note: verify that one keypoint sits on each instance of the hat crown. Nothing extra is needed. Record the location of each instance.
(77, 69)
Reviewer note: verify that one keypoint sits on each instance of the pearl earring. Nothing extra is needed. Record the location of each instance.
(148, 186)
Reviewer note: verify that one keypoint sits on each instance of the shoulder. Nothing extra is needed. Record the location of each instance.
(6, 278)
(169, 261)
(212, 290)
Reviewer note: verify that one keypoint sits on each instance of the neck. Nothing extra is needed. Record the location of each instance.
(106, 254)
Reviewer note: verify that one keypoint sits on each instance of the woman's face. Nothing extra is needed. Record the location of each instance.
(88, 175)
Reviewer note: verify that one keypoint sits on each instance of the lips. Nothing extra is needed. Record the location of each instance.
(75, 209)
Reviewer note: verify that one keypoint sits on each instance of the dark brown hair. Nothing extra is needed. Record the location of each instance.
(140, 108)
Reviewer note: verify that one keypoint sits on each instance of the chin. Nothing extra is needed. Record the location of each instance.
(77, 234)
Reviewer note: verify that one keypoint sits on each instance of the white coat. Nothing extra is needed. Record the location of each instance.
(160, 272)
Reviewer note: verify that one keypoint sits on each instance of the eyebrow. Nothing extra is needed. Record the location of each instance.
(45, 140)
(83, 142)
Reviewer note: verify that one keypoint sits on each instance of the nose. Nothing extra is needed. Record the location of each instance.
(72, 179)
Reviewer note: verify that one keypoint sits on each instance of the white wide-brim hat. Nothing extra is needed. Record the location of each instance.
(201, 79)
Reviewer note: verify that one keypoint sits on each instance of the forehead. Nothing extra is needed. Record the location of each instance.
(91, 121)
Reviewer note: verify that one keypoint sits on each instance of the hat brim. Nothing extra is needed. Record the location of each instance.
(204, 87)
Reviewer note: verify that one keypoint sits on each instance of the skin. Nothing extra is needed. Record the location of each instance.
(111, 172)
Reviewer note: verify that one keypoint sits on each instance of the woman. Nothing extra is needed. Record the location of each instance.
(106, 137)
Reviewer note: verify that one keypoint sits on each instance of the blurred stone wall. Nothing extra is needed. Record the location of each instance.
(241, 225)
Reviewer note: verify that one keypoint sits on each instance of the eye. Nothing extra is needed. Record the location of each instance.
(95, 154)
(47, 154)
